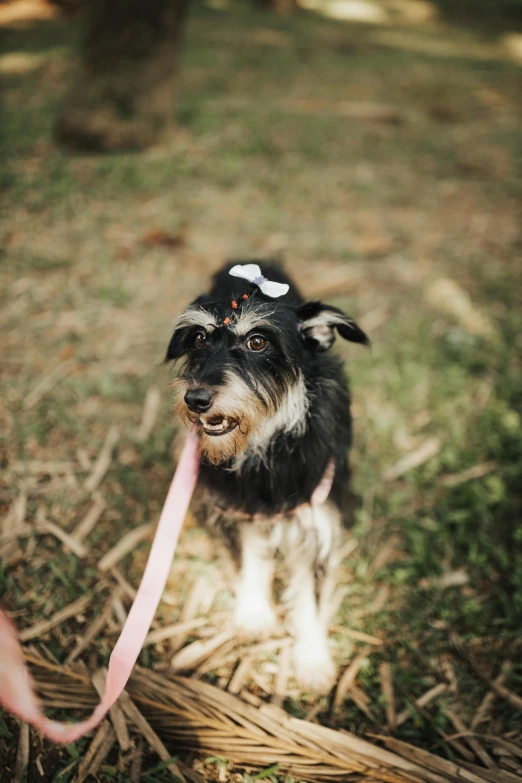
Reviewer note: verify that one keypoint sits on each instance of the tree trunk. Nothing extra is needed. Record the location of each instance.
(123, 97)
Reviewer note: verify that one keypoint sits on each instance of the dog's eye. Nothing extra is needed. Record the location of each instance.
(200, 339)
(256, 343)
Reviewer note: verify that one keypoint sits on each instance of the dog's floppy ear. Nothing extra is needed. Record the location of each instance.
(176, 347)
(196, 315)
(318, 322)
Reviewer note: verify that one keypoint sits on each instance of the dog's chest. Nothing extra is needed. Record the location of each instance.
(268, 487)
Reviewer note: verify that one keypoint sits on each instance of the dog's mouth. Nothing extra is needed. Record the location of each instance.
(218, 425)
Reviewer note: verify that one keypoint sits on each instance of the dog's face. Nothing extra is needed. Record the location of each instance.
(242, 377)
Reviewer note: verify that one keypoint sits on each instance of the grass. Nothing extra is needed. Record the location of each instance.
(264, 161)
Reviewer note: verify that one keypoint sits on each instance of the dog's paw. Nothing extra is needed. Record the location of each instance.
(254, 618)
(315, 670)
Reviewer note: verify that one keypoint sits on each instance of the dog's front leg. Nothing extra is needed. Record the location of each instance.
(314, 668)
(254, 615)
(307, 595)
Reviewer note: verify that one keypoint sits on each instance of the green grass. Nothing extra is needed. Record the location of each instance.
(264, 161)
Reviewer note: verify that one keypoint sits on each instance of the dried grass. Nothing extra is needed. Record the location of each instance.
(95, 628)
(104, 460)
(22, 754)
(69, 542)
(125, 545)
(385, 674)
(485, 706)
(151, 408)
(87, 524)
(191, 715)
(348, 678)
(473, 743)
(358, 636)
(48, 383)
(98, 750)
(422, 701)
(43, 626)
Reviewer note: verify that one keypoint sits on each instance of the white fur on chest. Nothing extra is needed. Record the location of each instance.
(290, 417)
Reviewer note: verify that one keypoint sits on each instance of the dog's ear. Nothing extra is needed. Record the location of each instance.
(176, 346)
(194, 315)
(317, 323)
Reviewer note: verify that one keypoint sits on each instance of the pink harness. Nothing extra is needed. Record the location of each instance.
(16, 689)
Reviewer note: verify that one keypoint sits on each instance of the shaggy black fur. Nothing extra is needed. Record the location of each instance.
(293, 465)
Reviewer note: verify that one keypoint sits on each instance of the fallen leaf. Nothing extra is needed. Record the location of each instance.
(156, 237)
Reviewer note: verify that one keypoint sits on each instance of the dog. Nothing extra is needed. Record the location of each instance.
(271, 407)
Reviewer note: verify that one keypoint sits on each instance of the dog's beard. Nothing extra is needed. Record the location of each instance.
(225, 428)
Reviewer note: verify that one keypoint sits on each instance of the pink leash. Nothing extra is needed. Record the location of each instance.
(16, 689)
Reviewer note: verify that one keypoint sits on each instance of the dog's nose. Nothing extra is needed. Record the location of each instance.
(198, 400)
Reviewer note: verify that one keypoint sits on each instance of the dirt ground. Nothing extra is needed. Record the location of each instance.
(380, 159)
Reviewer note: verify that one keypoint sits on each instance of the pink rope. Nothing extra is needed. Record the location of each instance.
(16, 689)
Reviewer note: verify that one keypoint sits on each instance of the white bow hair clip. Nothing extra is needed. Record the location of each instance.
(252, 273)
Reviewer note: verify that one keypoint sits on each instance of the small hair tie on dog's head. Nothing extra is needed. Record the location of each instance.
(252, 273)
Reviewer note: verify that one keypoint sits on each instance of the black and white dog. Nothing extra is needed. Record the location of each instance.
(272, 410)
